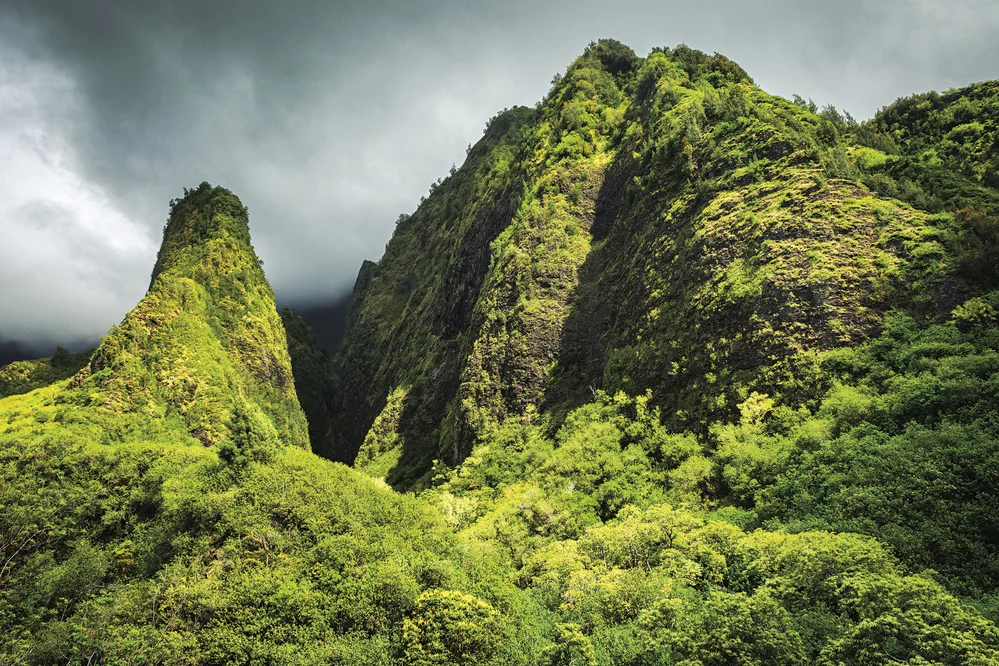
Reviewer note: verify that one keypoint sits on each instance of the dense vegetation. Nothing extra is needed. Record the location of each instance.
(675, 372)
(655, 224)
(803, 301)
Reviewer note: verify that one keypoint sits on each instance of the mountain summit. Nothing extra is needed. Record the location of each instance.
(161, 505)
(204, 350)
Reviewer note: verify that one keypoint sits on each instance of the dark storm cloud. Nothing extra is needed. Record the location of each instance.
(328, 119)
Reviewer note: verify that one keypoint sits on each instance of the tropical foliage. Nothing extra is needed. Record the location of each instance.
(669, 371)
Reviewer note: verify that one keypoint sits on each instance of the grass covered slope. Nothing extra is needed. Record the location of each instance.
(710, 346)
(941, 153)
(938, 150)
(672, 384)
(162, 552)
(728, 254)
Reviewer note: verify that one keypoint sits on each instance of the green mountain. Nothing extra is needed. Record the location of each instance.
(655, 224)
(671, 371)
(313, 371)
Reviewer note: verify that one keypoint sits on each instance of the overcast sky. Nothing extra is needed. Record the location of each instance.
(330, 118)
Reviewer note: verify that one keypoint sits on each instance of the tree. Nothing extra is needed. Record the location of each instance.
(451, 628)
(571, 648)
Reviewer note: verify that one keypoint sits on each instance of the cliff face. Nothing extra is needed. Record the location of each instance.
(410, 316)
(205, 349)
(656, 223)
(311, 365)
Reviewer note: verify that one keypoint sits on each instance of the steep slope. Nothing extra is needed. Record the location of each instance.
(941, 150)
(941, 153)
(708, 300)
(659, 223)
(424, 290)
(797, 357)
(313, 371)
(205, 349)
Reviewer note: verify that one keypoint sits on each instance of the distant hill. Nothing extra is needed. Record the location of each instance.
(23, 376)
(11, 351)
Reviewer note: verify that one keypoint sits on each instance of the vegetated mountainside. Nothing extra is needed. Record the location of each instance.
(312, 368)
(664, 287)
(205, 348)
(938, 151)
(672, 384)
(385, 343)
(656, 223)
(941, 153)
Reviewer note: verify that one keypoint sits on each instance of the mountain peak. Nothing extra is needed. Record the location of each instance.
(657, 223)
(206, 345)
(202, 214)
